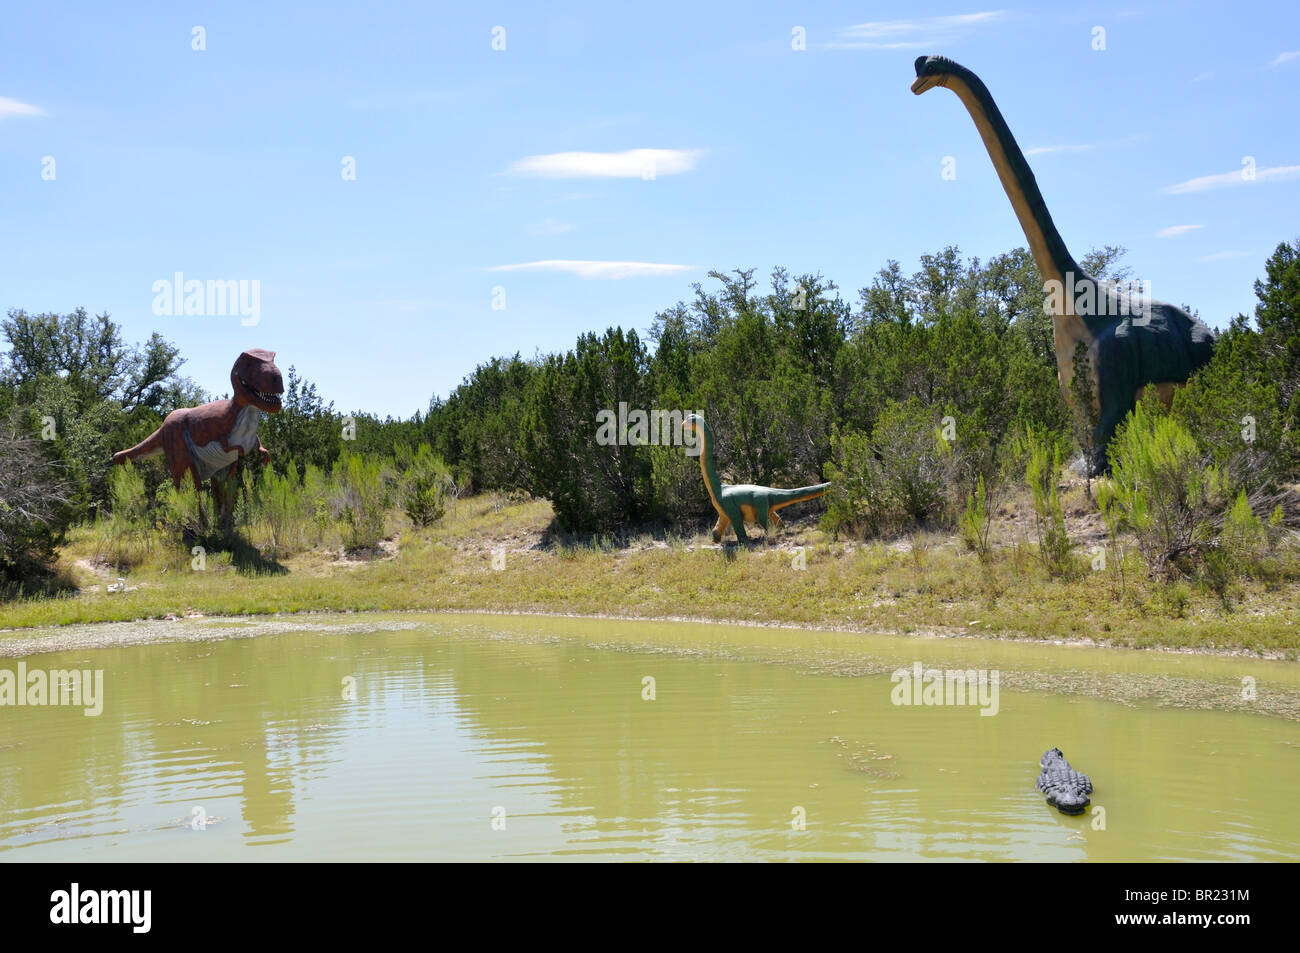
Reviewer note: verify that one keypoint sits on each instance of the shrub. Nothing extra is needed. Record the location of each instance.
(317, 497)
(178, 510)
(129, 504)
(35, 508)
(857, 502)
(914, 459)
(361, 499)
(897, 477)
(280, 505)
(976, 522)
(1042, 457)
(1163, 487)
(125, 535)
(425, 485)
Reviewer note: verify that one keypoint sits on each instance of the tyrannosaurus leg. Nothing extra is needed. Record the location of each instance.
(225, 489)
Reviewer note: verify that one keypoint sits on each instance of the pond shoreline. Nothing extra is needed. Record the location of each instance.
(20, 642)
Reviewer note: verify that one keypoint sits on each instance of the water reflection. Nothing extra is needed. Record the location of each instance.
(484, 738)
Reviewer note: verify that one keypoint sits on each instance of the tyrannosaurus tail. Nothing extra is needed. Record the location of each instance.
(147, 447)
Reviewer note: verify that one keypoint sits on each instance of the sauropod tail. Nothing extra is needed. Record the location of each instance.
(801, 493)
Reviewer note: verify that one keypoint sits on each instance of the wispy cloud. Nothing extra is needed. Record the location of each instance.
(1223, 255)
(1283, 58)
(922, 32)
(632, 164)
(607, 270)
(12, 107)
(1086, 146)
(1173, 231)
(550, 227)
(1226, 179)
(1201, 77)
(1045, 150)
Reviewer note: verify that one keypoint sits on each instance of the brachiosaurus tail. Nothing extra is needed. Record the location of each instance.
(799, 493)
(145, 448)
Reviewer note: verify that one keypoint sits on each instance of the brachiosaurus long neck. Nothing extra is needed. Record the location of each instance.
(709, 466)
(1053, 259)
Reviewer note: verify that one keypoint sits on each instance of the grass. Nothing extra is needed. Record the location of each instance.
(925, 582)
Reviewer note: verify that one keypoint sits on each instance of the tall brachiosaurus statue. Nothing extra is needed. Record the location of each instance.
(741, 502)
(1131, 343)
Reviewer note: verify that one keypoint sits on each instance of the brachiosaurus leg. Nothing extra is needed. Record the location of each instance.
(737, 521)
(720, 527)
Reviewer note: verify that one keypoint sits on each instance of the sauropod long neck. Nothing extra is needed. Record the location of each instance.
(1045, 244)
(709, 466)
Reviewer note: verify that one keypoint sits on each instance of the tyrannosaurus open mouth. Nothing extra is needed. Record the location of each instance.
(266, 396)
(257, 380)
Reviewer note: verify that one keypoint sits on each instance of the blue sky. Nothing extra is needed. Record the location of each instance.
(226, 163)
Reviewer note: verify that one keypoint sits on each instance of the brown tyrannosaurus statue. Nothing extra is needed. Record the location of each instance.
(208, 441)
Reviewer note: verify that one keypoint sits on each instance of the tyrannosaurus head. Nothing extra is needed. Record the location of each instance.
(256, 380)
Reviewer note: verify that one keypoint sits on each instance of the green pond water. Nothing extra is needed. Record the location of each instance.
(423, 737)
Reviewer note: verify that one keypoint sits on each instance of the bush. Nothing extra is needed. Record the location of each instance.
(35, 508)
(125, 535)
(128, 502)
(897, 477)
(178, 509)
(915, 461)
(1042, 457)
(361, 499)
(976, 522)
(426, 483)
(1164, 488)
(280, 504)
(857, 502)
(317, 497)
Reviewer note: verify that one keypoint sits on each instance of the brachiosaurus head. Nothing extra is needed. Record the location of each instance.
(694, 424)
(932, 71)
(256, 380)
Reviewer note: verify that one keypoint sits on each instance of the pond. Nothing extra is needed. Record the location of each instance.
(477, 737)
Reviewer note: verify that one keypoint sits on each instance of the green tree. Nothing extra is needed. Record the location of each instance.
(306, 431)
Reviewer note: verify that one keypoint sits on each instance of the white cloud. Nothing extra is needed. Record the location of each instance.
(1223, 256)
(1284, 58)
(1173, 231)
(922, 32)
(1225, 179)
(1201, 77)
(1044, 150)
(12, 107)
(549, 227)
(609, 270)
(632, 164)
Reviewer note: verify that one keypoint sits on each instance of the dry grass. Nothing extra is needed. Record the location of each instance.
(924, 582)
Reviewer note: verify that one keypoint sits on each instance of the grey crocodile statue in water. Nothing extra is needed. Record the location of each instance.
(1067, 790)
